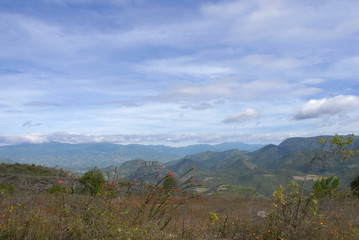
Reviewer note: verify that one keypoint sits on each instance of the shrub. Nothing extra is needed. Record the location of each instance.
(325, 187)
(55, 189)
(355, 186)
(291, 209)
(92, 180)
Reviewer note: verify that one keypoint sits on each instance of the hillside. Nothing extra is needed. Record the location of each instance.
(149, 171)
(32, 178)
(263, 170)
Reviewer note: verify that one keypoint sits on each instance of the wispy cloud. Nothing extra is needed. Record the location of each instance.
(29, 124)
(44, 104)
(284, 20)
(235, 89)
(202, 106)
(185, 67)
(267, 61)
(247, 115)
(136, 67)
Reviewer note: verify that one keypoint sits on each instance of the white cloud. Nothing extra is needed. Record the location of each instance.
(247, 115)
(317, 108)
(22, 138)
(231, 89)
(167, 139)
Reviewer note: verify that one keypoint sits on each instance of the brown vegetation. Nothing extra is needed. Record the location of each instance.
(156, 213)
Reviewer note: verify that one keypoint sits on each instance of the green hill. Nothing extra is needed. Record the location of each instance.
(32, 178)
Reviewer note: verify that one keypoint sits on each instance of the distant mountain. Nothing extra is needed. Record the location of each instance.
(291, 148)
(263, 170)
(149, 171)
(136, 169)
(266, 154)
(201, 163)
(300, 143)
(212, 160)
(124, 170)
(236, 145)
(88, 155)
(291, 157)
(270, 153)
(182, 166)
(132, 165)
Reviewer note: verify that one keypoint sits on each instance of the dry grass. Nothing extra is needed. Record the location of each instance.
(107, 216)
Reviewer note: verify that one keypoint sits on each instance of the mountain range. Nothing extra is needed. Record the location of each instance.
(262, 168)
(88, 155)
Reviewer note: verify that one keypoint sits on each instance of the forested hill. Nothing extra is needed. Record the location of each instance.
(262, 170)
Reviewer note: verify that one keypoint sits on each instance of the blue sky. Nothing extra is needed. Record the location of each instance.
(177, 72)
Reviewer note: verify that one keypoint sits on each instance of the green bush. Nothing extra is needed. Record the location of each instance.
(355, 186)
(325, 187)
(55, 189)
(7, 188)
(92, 180)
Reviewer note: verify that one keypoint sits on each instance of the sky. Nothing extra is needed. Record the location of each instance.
(177, 72)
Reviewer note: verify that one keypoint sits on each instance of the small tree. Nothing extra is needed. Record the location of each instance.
(355, 186)
(325, 187)
(92, 180)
